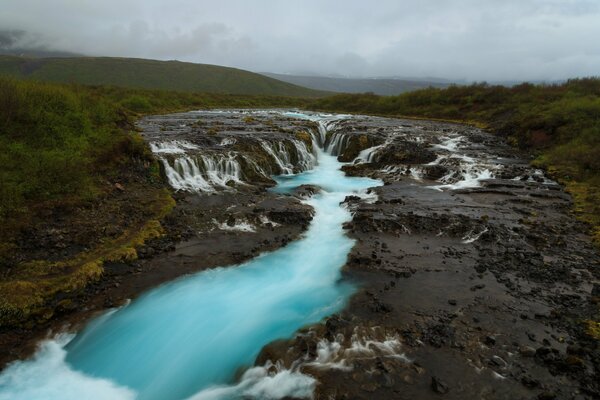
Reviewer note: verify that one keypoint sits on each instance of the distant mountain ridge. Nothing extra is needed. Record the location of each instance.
(150, 74)
(380, 86)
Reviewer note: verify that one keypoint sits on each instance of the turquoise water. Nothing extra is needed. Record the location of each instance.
(200, 331)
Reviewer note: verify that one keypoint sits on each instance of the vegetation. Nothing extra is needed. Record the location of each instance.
(74, 149)
(149, 74)
(558, 124)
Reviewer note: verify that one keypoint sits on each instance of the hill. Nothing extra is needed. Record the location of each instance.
(149, 74)
(380, 86)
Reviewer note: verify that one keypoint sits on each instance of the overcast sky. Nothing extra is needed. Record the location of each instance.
(456, 39)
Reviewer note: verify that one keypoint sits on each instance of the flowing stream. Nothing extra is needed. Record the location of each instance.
(191, 338)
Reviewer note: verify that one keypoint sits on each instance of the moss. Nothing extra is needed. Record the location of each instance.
(586, 197)
(30, 291)
(592, 329)
(304, 137)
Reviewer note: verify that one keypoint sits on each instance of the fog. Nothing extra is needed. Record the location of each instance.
(459, 39)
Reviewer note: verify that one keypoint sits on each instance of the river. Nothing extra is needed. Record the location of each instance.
(191, 338)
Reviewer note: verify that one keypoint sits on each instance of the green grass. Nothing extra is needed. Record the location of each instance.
(150, 74)
(558, 124)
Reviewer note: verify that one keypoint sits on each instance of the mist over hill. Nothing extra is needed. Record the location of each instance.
(380, 86)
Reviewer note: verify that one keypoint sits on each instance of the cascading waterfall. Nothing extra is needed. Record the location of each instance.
(306, 159)
(370, 155)
(322, 133)
(172, 147)
(185, 175)
(189, 338)
(337, 143)
(207, 172)
(281, 155)
(212, 171)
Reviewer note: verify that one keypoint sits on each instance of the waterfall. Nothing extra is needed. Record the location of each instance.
(369, 155)
(185, 175)
(222, 169)
(280, 156)
(172, 147)
(337, 144)
(321, 135)
(212, 170)
(306, 159)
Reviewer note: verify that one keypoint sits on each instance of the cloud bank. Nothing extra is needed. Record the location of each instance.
(459, 39)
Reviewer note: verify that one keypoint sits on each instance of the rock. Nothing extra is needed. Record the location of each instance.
(498, 361)
(438, 385)
(529, 382)
(452, 302)
(231, 221)
(527, 351)
(595, 298)
(490, 340)
(547, 396)
(119, 187)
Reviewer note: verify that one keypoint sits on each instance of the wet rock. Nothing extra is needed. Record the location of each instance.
(527, 351)
(439, 386)
(306, 191)
(530, 382)
(490, 340)
(434, 172)
(231, 220)
(498, 361)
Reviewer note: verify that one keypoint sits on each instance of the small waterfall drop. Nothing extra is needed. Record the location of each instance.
(203, 172)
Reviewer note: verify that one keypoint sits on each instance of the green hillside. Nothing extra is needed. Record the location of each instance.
(149, 74)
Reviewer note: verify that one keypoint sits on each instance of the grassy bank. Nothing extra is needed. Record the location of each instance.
(558, 124)
(78, 186)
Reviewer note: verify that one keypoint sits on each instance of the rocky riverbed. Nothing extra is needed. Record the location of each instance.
(474, 279)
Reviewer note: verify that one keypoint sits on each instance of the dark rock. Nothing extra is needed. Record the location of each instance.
(547, 396)
(490, 340)
(438, 385)
(527, 351)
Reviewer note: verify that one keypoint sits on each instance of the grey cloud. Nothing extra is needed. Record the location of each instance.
(459, 39)
(9, 38)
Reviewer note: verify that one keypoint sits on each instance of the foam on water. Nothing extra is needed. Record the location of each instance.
(183, 338)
